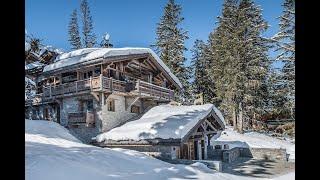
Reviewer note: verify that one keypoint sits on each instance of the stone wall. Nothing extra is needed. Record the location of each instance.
(230, 155)
(112, 119)
(163, 152)
(258, 153)
(214, 154)
(68, 104)
(84, 133)
(265, 153)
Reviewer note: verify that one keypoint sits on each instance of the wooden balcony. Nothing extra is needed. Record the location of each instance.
(105, 84)
(76, 118)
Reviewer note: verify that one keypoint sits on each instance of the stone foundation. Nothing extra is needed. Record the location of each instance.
(231, 155)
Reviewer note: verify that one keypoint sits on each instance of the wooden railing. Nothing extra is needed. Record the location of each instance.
(145, 88)
(104, 83)
(72, 87)
(76, 117)
(81, 118)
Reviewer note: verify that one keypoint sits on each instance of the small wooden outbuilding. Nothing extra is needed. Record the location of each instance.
(168, 131)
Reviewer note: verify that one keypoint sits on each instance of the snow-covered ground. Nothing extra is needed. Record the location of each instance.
(52, 153)
(254, 140)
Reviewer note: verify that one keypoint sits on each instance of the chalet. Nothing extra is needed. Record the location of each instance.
(169, 132)
(94, 90)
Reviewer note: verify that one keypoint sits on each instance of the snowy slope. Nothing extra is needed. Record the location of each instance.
(89, 54)
(52, 153)
(254, 140)
(164, 121)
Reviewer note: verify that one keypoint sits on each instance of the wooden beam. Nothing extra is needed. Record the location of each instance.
(95, 95)
(210, 125)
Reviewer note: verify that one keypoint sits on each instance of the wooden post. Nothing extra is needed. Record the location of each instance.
(102, 98)
(138, 86)
(110, 83)
(101, 82)
(199, 150)
(206, 146)
(91, 83)
(76, 86)
(50, 91)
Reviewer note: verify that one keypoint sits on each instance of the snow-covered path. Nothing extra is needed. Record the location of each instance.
(52, 153)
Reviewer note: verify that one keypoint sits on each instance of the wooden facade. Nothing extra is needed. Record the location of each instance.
(135, 75)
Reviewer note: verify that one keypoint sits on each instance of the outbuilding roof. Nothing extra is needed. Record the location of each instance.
(164, 122)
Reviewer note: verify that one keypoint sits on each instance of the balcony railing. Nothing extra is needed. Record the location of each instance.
(102, 83)
(81, 118)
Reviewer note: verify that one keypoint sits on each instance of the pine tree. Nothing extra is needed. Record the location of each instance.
(170, 45)
(200, 64)
(222, 71)
(73, 30)
(255, 62)
(285, 41)
(89, 38)
(239, 62)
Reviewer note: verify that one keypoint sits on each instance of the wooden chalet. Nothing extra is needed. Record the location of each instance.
(97, 89)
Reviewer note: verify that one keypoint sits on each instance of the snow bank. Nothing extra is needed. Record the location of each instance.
(289, 176)
(88, 54)
(252, 139)
(164, 121)
(52, 153)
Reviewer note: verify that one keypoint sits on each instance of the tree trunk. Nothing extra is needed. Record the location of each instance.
(234, 117)
(240, 118)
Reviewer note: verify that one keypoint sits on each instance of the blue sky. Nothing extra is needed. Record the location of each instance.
(131, 23)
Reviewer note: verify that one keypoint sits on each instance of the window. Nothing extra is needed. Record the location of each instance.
(97, 71)
(90, 74)
(226, 146)
(135, 109)
(217, 147)
(111, 105)
(90, 105)
(69, 77)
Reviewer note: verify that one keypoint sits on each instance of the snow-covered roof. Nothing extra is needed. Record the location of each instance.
(164, 121)
(29, 81)
(34, 65)
(89, 54)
